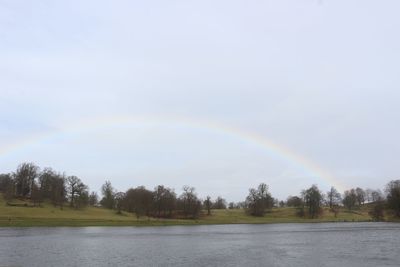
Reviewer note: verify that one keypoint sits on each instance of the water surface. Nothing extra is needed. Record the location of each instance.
(327, 244)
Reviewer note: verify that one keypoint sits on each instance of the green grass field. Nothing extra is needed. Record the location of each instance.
(48, 215)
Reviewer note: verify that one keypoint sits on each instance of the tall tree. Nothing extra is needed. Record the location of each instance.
(259, 200)
(350, 199)
(52, 186)
(170, 202)
(360, 196)
(93, 199)
(7, 186)
(139, 200)
(77, 190)
(377, 211)
(46, 182)
(82, 199)
(119, 201)
(208, 204)
(108, 200)
(5, 181)
(36, 195)
(164, 200)
(25, 178)
(333, 197)
(313, 198)
(393, 196)
(58, 191)
(189, 202)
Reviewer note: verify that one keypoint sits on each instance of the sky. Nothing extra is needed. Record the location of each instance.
(219, 95)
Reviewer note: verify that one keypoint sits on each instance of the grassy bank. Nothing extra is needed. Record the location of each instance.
(48, 215)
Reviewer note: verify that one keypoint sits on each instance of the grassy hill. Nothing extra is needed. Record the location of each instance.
(48, 215)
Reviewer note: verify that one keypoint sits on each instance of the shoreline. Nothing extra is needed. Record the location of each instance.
(155, 223)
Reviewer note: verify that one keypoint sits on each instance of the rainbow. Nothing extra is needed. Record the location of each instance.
(260, 141)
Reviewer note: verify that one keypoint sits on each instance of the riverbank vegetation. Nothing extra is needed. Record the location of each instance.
(34, 197)
(48, 215)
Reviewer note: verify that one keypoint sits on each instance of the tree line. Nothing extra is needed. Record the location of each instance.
(30, 182)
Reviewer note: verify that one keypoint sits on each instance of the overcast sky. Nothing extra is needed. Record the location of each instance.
(317, 77)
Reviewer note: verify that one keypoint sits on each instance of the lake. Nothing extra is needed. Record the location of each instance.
(325, 244)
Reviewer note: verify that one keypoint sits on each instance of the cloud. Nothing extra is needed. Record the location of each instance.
(325, 87)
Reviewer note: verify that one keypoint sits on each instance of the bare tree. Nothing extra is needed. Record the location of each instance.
(93, 199)
(46, 182)
(208, 204)
(259, 200)
(368, 195)
(377, 211)
(7, 186)
(313, 198)
(219, 203)
(52, 186)
(72, 182)
(119, 201)
(393, 196)
(82, 199)
(108, 200)
(376, 195)
(58, 191)
(170, 202)
(25, 178)
(78, 193)
(139, 200)
(350, 199)
(36, 195)
(5, 181)
(164, 201)
(360, 196)
(334, 198)
(294, 201)
(189, 203)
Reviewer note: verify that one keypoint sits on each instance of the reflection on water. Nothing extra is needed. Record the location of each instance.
(328, 244)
